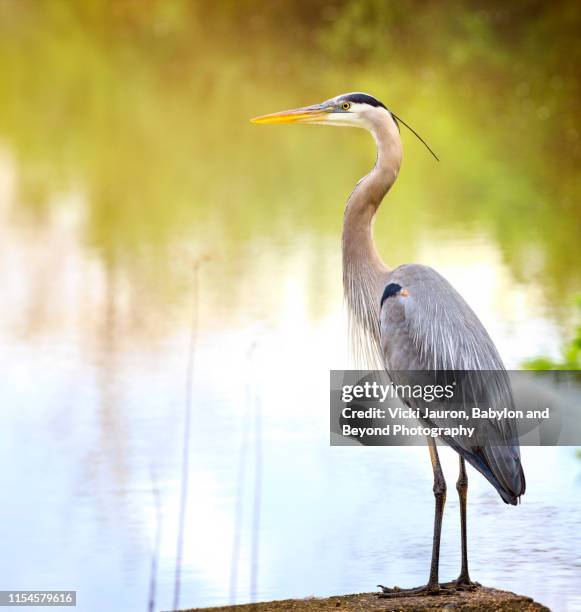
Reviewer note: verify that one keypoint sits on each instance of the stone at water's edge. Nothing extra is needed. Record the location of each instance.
(481, 599)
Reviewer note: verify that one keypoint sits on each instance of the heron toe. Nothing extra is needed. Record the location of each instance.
(461, 584)
(438, 589)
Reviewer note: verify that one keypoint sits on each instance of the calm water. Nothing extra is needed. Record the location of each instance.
(114, 188)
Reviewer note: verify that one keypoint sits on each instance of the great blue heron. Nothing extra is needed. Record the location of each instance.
(411, 316)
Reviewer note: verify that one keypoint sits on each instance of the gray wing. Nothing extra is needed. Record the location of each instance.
(433, 328)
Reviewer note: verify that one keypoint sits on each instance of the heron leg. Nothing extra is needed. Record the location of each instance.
(463, 581)
(440, 498)
(462, 488)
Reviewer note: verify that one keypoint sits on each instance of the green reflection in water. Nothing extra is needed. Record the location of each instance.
(145, 113)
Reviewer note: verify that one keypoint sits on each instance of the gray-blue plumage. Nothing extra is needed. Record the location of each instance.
(427, 325)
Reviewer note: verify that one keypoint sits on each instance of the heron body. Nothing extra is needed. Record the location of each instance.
(417, 333)
(411, 318)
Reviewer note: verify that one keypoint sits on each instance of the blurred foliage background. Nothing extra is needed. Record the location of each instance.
(570, 358)
(140, 108)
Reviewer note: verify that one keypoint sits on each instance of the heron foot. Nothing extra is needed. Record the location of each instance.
(462, 583)
(428, 589)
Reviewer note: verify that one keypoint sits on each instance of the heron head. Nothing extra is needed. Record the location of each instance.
(351, 109)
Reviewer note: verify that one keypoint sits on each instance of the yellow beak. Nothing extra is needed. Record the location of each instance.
(307, 114)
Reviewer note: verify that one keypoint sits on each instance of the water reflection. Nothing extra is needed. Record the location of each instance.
(123, 163)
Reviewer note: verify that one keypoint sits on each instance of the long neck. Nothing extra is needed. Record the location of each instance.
(364, 272)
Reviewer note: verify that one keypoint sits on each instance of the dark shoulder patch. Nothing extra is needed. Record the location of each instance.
(363, 98)
(390, 290)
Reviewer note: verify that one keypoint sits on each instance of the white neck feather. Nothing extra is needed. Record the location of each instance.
(364, 273)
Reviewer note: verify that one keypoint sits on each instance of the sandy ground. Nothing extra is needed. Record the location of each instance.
(480, 599)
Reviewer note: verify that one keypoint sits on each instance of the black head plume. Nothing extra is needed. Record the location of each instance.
(411, 129)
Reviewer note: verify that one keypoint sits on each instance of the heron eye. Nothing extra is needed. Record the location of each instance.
(345, 106)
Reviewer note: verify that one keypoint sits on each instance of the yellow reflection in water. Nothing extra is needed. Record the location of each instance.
(135, 129)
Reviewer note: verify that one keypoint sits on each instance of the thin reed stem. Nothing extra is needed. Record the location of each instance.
(186, 440)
